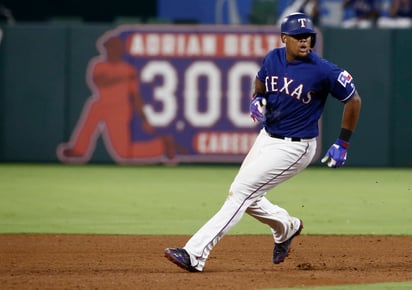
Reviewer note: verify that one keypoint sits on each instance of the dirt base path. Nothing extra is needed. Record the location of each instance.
(238, 262)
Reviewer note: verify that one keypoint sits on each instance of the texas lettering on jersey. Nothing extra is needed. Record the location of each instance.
(289, 88)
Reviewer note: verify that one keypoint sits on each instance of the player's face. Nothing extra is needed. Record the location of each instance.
(297, 46)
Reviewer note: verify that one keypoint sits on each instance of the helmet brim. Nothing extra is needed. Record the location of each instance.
(300, 31)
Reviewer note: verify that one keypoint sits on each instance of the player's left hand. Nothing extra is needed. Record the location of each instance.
(257, 106)
(336, 155)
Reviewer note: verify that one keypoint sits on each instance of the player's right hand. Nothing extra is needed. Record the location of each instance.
(257, 108)
(336, 155)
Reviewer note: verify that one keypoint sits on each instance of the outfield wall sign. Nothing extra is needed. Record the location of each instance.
(171, 94)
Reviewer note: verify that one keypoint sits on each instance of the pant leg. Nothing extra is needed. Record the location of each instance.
(283, 225)
(288, 159)
(270, 162)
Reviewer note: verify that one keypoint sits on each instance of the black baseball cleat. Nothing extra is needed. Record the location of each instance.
(281, 251)
(180, 257)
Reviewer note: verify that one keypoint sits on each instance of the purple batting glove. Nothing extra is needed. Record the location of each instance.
(336, 155)
(257, 108)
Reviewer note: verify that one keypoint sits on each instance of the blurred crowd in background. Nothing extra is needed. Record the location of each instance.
(336, 13)
(356, 13)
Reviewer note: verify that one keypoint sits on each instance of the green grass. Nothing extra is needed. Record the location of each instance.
(110, 199)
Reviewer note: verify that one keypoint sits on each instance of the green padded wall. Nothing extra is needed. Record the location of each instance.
(401, 121)
(366, 54)
(33, 89)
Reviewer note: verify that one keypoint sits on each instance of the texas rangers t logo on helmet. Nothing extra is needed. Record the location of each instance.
(302, 22)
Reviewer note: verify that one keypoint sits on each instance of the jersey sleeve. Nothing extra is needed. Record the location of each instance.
(342, 85)
(263, 72)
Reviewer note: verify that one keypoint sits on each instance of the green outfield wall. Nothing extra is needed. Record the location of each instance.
(376, 59)
(43, 88)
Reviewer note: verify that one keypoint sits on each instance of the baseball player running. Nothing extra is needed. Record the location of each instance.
(291, 88)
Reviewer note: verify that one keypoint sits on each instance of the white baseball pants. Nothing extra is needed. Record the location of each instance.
(269, 162)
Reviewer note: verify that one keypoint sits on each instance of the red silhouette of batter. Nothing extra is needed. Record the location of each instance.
(114, 109)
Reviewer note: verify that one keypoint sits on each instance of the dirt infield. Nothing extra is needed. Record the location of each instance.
(238, 262)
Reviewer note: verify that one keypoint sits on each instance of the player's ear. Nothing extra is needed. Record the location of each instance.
(283, 37)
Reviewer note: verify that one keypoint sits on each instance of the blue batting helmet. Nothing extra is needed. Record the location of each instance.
(298, 23)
